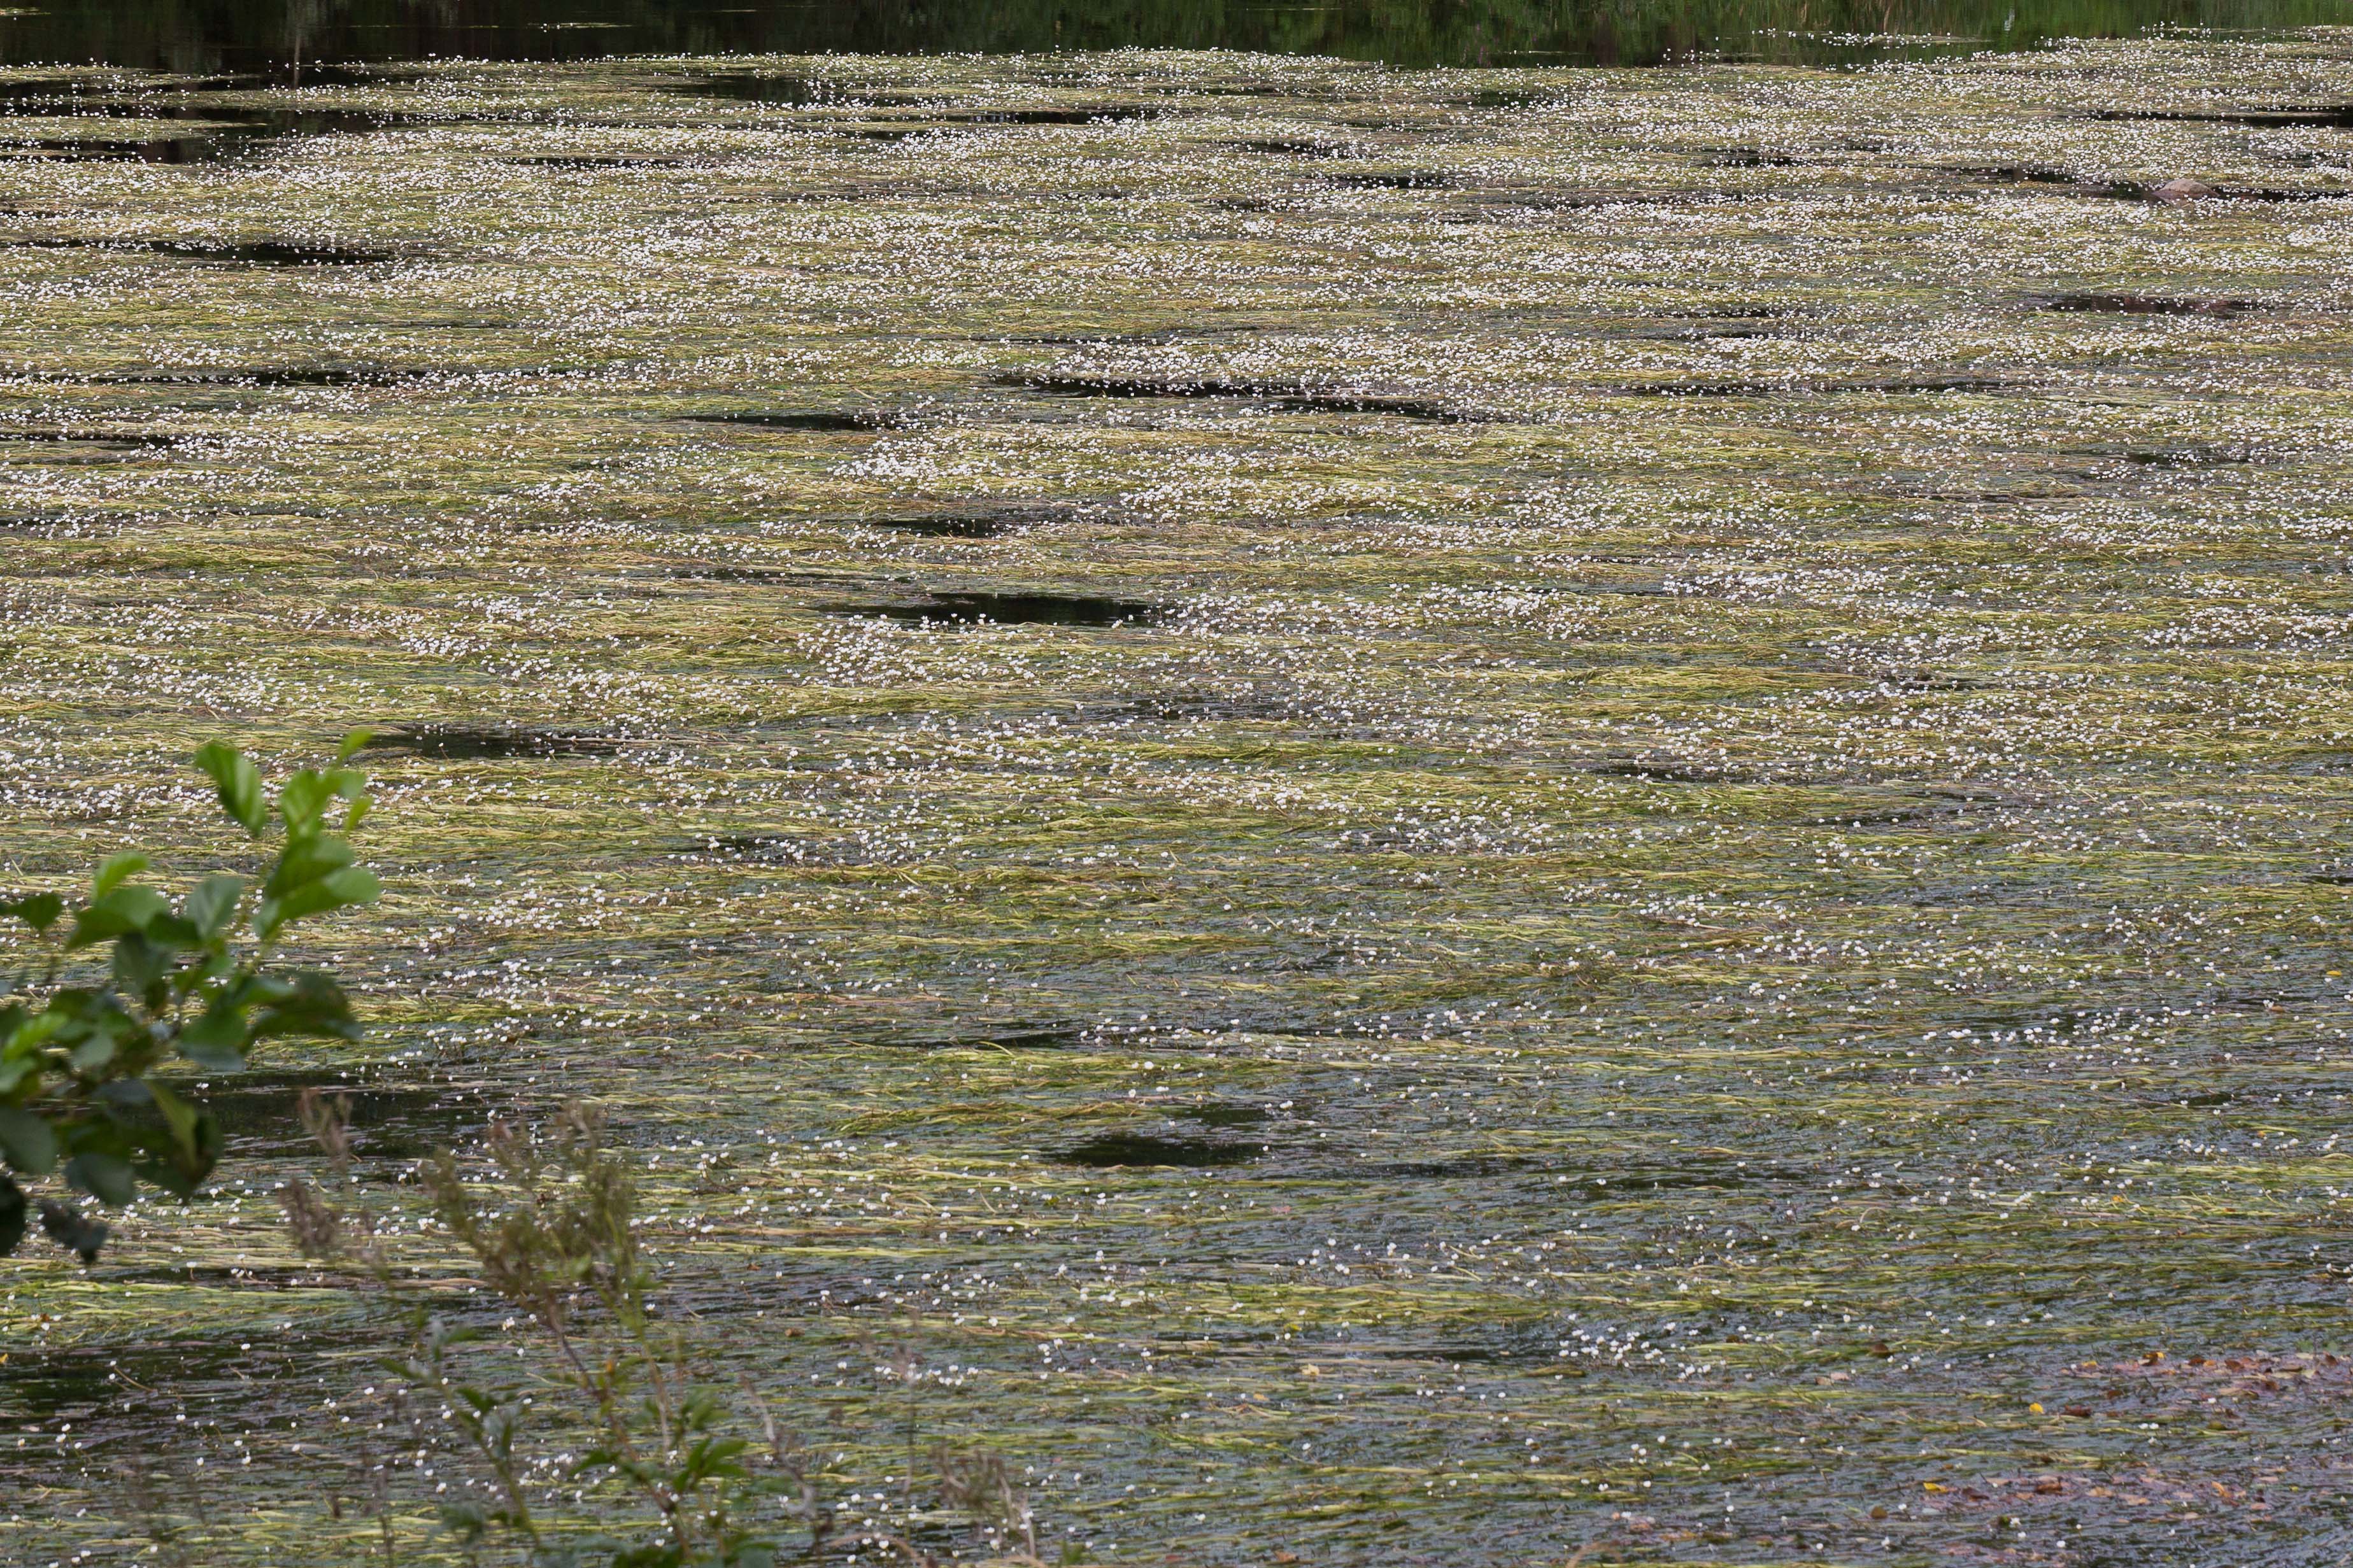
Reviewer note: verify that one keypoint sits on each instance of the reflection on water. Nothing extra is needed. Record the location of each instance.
(283, 37)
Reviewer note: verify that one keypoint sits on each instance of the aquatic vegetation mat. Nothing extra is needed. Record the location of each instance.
(1595, 843)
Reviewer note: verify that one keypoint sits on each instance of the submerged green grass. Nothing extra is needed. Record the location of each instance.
(1761, 901)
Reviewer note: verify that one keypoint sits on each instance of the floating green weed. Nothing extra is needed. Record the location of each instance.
(1776, 876)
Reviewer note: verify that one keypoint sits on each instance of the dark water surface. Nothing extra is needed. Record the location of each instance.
(290, 36)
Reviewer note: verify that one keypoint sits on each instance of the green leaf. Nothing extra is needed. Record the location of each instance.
(352, 741)
(138, 963)
(238, 784)
(95, 1048)
(465, 1521)
(115, 870)
(211, 902)
(25, 1040)
(119, 911)
(335, 890)
(306, 860)
(177, 1113)
(130, 1095)
(106, 1178)
(71, 1231)
(180, 1165)
(312, 1005)
(303, 802)
(11, 1217)
(39, 910)
(170, 931)
(27, 1144)
(217, 1040)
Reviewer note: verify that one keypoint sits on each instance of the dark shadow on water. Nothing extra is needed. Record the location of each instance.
(1104, 114)
(2063, 181)
(978, 520)
(785, 849)
(273, 253)
(44, 92)
(1587, 1184)
(801, 92)
(2185, 458)
(2329, 116)
(1227, 1115)
(404, 1121)
(488, 742)
(948, 527)
(266, 376)
(1045, 1039)
(86, 1384)
(1711, 389)
(1409, 179)
(116, 439)
(1288, 396)
(1123, 1149)
(217, 134)
(753, 574)
(1747, 158)
(2146, 305)
(801, 419)
(247, 253)
(972, 609)
(1929, 385)
(1907, 387)
(299, 74)
(750, 86)
(2275, 193)
(595, 161)
(1295, 148)
(1665, 771)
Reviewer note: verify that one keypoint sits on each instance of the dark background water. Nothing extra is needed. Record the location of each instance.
(210, 35)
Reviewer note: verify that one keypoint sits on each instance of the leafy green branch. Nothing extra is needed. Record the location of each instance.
(191, 981)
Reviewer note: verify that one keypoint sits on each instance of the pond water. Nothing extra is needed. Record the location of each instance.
(1436, 816)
